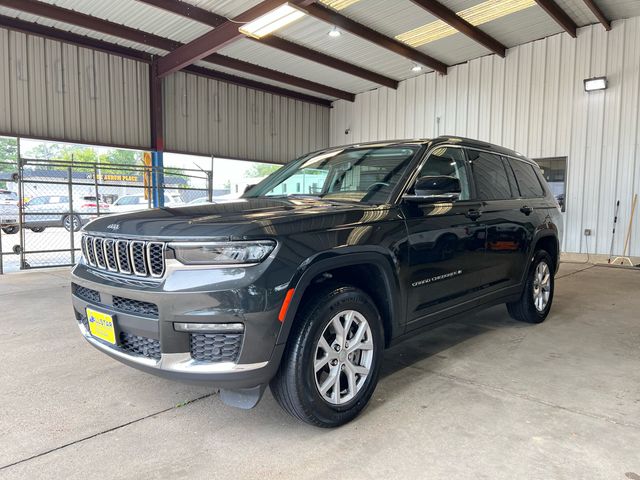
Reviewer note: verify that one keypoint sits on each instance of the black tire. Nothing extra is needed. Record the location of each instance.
(11, 230)
(38, 229)
(525, 309)
(294, 386)
(68, 225)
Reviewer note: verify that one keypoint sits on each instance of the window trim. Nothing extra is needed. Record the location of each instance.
(473, 176)
(535, 174)
(413, 176)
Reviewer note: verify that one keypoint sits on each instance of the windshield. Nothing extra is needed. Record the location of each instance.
(355, 174)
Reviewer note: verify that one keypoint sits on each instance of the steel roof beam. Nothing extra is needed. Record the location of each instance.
(333, 18)
(108, 47)
(213, 20)
(90, 23)
(461, 25)
(127, 33)
(595, 9)
(213, 40)
(560, 16)
(187, 10)
(277, 76)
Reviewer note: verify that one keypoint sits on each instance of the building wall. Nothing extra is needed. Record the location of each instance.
(533, 101)
(58, 91)
(208, 117)
(51, 89)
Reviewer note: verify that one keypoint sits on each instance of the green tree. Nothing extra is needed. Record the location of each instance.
(8, 156)
(261, 170)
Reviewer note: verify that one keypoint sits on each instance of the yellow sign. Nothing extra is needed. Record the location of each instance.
(101, 326)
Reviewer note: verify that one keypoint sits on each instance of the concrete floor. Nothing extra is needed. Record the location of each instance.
(484, 397)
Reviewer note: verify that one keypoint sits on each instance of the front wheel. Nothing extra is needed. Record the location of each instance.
(71, 222)
(38, 229)
(11, 230)
(535, 302)
(332, 362)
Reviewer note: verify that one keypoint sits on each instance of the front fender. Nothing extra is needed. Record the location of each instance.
(345, 257)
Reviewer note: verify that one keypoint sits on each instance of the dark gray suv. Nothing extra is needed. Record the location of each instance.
(302, 282)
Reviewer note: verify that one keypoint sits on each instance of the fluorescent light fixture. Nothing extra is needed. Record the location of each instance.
(595, 84)
(476, 15)
(416, 68)
(334, 32)
(338, 4)
(271, 21)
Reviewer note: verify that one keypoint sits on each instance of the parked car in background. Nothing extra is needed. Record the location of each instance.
(201, 201)
(9, 211)
(55, 211)
(134, 203)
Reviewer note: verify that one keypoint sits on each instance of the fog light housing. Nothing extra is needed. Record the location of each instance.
(208, 327)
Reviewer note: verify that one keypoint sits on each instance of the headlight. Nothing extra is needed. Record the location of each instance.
(222, 253)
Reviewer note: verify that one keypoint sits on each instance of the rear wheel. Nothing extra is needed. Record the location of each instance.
(11, 230)
(71, 222)
(38, 229)
(332, 362)
(535, 302)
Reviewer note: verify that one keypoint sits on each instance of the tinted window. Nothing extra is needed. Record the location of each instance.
(447, 162)
(489, 175)
(527, 179)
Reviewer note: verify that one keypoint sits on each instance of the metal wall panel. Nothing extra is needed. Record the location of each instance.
(51, 89)
(206, 117)
(533, 101)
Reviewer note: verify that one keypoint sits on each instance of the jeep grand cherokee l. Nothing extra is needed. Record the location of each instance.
(302, 282)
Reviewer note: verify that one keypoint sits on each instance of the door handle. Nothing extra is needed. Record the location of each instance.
(473, 214)
(526, 210)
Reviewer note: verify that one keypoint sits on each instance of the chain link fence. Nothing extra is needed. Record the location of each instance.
(45, 203)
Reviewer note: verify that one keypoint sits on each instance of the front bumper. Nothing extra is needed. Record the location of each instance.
(189, 296)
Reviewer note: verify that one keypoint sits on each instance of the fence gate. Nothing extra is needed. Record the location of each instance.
(47, 202)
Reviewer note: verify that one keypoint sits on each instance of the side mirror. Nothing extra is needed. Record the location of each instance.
(249, 187)
(434, 189)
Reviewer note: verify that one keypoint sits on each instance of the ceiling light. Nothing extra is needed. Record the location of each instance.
(476, 15)
(595, 84)
(416, 68)
(271, 21)
(334, 32)
(338, 4)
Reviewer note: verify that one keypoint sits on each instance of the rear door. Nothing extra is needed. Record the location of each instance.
(529, 206)
(506, 229)
(446, 243)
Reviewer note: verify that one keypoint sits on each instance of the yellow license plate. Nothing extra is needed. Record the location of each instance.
(101, 326)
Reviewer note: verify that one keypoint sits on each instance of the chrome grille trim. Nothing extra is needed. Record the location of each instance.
(91, 256)
(128, 257)
(124, 263)
(137, 253)
(152, 262)
(98, 249)
(110, 255)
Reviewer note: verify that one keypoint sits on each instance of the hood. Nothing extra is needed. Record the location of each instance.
(244, 218)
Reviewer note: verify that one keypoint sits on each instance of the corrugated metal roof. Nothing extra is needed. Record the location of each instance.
(389, 18)
(260, 54)
(313, 34)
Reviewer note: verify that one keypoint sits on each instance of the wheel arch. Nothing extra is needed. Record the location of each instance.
(386, 296)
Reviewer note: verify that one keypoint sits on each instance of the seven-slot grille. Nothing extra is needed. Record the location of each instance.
(136, 257)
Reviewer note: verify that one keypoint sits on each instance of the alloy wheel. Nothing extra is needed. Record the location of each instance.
(343, 357)
(541, 286)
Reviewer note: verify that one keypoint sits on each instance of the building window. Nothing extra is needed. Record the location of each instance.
(298, 187)
(554, 171)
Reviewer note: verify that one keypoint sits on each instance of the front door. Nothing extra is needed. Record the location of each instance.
(446, 243)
